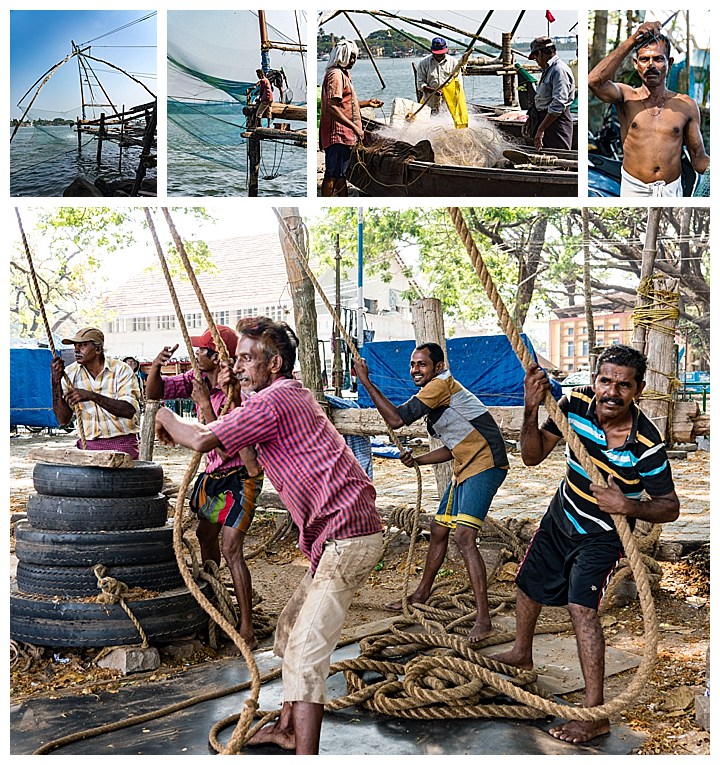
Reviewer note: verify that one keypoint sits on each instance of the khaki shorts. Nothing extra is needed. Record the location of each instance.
(309, 626)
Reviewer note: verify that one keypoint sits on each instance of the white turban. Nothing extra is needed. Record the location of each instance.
(341, 53)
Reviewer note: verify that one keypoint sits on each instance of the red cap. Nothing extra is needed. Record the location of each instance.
(206, 339)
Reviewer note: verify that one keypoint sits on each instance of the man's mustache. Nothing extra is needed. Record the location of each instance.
(653, 71)
(611, 400)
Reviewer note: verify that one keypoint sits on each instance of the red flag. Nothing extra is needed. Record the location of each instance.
(549, 17)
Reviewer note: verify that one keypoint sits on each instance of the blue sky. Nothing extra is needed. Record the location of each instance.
(41, 39)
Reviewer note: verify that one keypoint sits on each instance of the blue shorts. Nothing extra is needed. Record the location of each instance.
(467, 503)
(337, 159)
(558, 569)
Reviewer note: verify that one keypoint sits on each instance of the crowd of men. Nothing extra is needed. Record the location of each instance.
(255, 420)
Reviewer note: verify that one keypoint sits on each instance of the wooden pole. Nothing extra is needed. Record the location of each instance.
(253, 150)
(79, 132)
(101, 135)
(337, 355)
(508, 79)
(366, 46)
(427, 317)
(303, 298)
(146, 149)
(646, 270)
(147, 430)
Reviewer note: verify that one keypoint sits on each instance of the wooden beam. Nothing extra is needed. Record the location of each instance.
(62, 456)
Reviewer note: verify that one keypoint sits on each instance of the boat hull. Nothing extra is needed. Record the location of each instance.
(427, 179)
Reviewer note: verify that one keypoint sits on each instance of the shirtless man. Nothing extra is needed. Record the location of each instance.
(654, 121)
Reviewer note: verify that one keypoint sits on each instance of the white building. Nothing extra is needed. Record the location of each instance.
(249, 279)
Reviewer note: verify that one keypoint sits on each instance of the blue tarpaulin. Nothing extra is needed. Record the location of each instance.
(30, 390)
(487, 366)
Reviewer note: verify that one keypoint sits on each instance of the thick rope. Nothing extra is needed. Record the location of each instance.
(248, 712)
(631, 551)
(115, 591)
(51, 344)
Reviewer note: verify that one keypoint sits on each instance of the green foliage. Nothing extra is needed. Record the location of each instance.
(68, 246)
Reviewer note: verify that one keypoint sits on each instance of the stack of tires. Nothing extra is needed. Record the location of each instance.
(84, 516)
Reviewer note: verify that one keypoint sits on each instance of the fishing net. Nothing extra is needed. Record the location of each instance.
(481, 144)
(212, 57)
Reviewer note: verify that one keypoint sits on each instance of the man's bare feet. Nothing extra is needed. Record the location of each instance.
(273, 734)
(513, 659)
(579, 731)
(480, 632)
(413, 599)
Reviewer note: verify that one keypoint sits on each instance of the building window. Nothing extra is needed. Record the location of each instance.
(194, 320)
(615, 326)
(570, 349)
(570, 331)
(166, 322)
(599, 328)
(584, 347)
(141, 324)
(116, 326)
(583, 330)
(221, 317)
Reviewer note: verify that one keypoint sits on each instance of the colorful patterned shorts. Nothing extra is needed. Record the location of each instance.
(228, 498)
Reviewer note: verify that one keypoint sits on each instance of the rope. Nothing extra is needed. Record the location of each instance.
(114, 591)
(239, 734)
(631, 551)
(662, 305)
(51, 344)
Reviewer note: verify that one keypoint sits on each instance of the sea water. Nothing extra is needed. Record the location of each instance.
(399, 79)
(209, 158)
(45, 160)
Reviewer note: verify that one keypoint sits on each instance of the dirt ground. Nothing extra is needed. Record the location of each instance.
(664, 712)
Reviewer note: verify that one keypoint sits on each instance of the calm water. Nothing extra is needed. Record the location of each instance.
(400, 83)
(44, 160)
(215, 163)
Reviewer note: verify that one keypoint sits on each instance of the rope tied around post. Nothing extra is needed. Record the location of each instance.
(576, 445)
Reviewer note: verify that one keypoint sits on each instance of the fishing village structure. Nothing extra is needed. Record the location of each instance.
(411, 154)
(132, 129)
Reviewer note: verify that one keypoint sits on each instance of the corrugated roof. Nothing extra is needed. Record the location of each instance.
(250, 271)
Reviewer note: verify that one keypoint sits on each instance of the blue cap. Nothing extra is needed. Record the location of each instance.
(438, 45)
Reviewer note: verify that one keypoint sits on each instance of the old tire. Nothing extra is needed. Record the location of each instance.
(81, 582)
(59, 513)
(76, 624)
(86, 548)
(141, 480)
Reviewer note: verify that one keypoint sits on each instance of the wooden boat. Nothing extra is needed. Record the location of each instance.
(382, 175)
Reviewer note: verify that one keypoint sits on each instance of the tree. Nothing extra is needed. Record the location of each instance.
(68, 246)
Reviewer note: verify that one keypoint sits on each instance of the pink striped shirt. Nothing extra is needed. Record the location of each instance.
(327, 493)
(180, 386)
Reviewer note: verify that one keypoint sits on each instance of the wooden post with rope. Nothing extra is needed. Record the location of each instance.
(427, 318)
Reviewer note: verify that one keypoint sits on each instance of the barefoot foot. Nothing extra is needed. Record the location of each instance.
(513, 659)
(579, 731)
(480, 632)
(272, 734)
(412, 600)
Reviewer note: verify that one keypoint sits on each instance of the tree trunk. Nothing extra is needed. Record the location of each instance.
(592, 355)
(646, 270)
(430, 328)
(303, 297)
(527, 273)
(597, 54)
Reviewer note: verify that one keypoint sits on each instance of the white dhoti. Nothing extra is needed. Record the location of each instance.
(632, 187)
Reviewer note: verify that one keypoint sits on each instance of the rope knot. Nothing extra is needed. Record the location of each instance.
(113, 590)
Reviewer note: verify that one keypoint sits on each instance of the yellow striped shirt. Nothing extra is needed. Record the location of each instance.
(115, 380)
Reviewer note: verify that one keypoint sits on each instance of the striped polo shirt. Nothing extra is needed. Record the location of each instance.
(328, 494)
(461, 421)
(180, 386)
(115, 380)
(639, 465)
